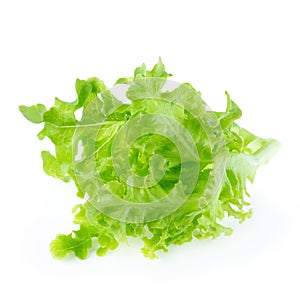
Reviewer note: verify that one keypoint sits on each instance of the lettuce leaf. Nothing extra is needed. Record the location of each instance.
(162, 168)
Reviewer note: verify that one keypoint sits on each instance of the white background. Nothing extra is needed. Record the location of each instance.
(250, 48)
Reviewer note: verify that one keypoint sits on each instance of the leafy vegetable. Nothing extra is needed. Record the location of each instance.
(160, 167)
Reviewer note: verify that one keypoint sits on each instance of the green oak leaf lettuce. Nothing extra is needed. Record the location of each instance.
(244, 152)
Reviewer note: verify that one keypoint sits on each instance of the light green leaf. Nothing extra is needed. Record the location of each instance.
(54, 168)
(33, 113)
(79, 244)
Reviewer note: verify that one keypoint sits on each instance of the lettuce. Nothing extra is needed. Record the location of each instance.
(159, 166)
